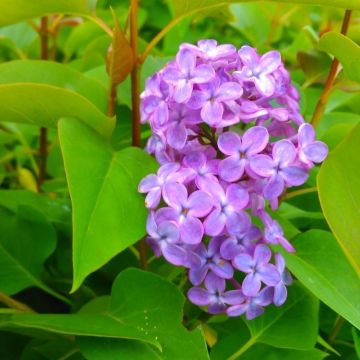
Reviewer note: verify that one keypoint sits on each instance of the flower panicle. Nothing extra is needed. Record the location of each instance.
(230, 139)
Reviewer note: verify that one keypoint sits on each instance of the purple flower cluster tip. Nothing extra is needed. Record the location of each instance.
(230, 139)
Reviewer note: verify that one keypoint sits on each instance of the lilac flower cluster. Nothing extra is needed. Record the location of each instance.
(229, 136)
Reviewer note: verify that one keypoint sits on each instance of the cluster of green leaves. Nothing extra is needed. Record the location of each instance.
(70, 283)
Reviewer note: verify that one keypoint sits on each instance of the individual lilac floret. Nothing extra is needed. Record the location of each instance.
(258, 270)
(212, 97)
(214, 295)
(230, 138)
(280, 169)
(164, 239)
(258, 69)
(186, 210)
(228, 205)
(210, 50)
(210, 259)
(241, 239)
(155, 185)
(253, 306)
(186, 74)
(310, 150)
(240, 151)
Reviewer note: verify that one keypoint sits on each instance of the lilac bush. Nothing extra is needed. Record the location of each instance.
(230, 139)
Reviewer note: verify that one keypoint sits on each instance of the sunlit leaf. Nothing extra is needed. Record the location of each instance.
(108, 212)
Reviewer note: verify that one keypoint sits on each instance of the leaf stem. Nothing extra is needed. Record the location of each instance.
(321, 104)
(299, 192)
(244, 348)
(15, 304)
(44, 37)
(340, 321)
(111, 99)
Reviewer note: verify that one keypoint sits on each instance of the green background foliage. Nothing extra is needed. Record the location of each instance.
(70, 283)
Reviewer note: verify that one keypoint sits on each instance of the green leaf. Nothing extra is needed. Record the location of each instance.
(120, 56)
(143, 307)
(276, 326)
(339, 193)
(13, 11)
(108, 212)
(188, 7)
(44, 105)
(52, 73)
(345, 50)
(322, 267)
(27, 240)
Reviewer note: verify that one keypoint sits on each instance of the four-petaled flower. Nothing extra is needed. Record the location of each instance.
(186, 74)
(214, 295)
(258, 270)
(240, 151)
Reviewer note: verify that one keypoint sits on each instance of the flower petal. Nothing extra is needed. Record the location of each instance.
(284, 152)
(237, 310)
(176, 135)
(191, 230)
(182, 91)
(232, 168)
(229, 143)
(175, 195)
(269, 274)
(262, 254)
(237, 196)
(265, 85)
(244, 262)
(186, 60)
(294, 176)
(306, 134)
(222, 269)
(274, 187)
(214, 283)
(229, 91)
(202, 74)
(262, 165)
(255, 140)
(199, 204)
(212, 113)
(280, 294)
(233, 297)
(149, 183)
(270, 61)
(174, 254)
(316, 152)
(198, 296)
(214, 223)
(251, 284)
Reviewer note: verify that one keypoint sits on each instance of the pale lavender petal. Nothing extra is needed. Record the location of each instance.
(191, 230)
(151, 226)
(280, 262)
(255, 140)
(251, 284)
(222, 269)
(280, 294)
(216, 308)
(229, 248)
(195, 160)
(262, 254)
(197, 275)
(166, 214)
(294, 176)
(148, 183)
(200, 297)
(199, 204)
(186, 60)
(269, 274)
(316, 152)
(182, 91)
(229, 91)
(265, 296)
(248, 56)
(262, 165)
(284, 152)
(215, 222)
(274, 187)
(237, 310)
(270, 61)
(167, 170)
(214, 283)
(214, 245)
(306, 134)
(244, 262)
(232, 168)
(212, 113)
(169, 231)
(237, 196)
(265, 85)
(229, 143)
(161, 114)
(176, 135)
(175, 195)
(174, 254)
(232, 297)
(253, 311)
(202, 74)
(152, 199)
(198, 99)
(172, 75)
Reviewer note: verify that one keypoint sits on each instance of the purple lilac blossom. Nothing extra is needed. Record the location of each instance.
(230, 140)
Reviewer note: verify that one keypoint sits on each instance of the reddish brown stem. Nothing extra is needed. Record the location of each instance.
(111, 100)
(320, 106)
(44, 37)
